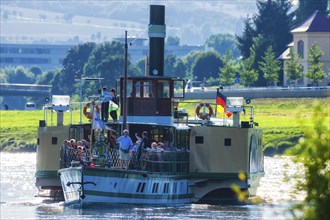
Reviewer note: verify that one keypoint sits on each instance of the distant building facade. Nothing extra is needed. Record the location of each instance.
(316, 29)
(50, 56)
(46, 56)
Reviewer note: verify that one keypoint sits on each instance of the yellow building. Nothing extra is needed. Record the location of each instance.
(316, 29)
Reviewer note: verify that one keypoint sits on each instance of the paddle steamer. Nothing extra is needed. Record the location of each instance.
(204, 154)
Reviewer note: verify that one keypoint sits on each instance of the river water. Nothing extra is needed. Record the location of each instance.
(18, 201)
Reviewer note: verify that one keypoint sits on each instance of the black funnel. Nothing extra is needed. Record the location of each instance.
(157, 33)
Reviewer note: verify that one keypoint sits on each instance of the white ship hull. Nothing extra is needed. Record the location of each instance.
(97, 185)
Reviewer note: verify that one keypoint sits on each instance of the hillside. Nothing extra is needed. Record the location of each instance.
(61, 21)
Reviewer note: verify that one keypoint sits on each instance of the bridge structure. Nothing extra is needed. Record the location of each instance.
(11, 89)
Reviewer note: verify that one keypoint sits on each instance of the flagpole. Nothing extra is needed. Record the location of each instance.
(216, 104)
(91, 139)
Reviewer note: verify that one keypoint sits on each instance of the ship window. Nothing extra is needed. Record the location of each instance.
(54, 140)
(148, 89)
(166, 188)
(142, 188)
(138, 188)
(163, 89)
(155, 188)
(129, 88)
(138, 89)
(227, 141)
(199, 140)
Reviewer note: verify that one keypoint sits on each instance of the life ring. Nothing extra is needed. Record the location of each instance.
(204, 115)
(88, 114)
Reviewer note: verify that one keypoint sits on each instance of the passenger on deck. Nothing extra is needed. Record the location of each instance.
(106, 96)
(73, 143)
(125, 144)
(154, 146)
(144, 144)
(134, 162)
(65, 154)
(160, 147)
(114, 98)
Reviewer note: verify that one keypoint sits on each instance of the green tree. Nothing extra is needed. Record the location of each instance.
(73, 66)
(245, 42)
(273, 17)
(206, 66)
(180, 69)
(227, 72)
(3, 75)
(106, 61)
(270, 66)
(169, 65)
(247, 73)
(173, 41)
(36, 70)
(315, 72)
(307, 7)
(313, 152)
(223, 43)
(189, 61)
(19, 75)
(294, 68)
(140, 64)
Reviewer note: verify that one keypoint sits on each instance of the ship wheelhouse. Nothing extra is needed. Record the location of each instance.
(150, 99)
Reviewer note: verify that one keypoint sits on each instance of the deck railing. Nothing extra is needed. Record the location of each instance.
(163, 162)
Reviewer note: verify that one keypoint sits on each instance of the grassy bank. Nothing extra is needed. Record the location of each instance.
(279, 119)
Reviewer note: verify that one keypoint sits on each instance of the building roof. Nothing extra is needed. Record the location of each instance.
(285, 55)
(317, 22)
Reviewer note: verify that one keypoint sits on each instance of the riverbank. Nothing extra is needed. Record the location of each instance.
(279, 119)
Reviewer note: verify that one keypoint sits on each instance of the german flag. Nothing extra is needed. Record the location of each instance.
(221, 100)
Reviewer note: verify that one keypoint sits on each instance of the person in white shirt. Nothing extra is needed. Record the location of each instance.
(106, 96)
(125, 144)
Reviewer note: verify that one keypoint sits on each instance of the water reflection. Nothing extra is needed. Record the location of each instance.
(17, 199)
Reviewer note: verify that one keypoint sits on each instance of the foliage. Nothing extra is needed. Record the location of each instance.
(36, 70)
(3, 76)
(19, 75)
(315, 157)
(212, 81)
(140, 64)
(315, 72)
(169, 65)
(294, 68)
(52, 78)
(227, 72)
(245, 42)
(189, 61)
(270, 66)
(106, 61)
(180, 68)
(73, 66)
(247, 73)
(222, 43)
(262, 31)
(172, 41)
(207, 65)
(307, 7)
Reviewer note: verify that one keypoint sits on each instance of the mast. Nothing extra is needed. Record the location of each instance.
(125, 86)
